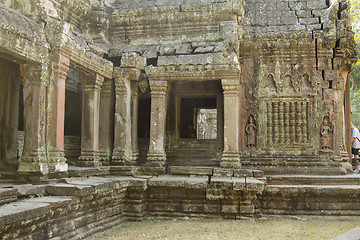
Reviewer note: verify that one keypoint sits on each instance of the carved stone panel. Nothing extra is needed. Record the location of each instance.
(287, 121)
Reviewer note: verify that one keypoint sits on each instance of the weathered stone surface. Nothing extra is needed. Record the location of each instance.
(8, 195)
(180, 170)
(275, 73)
(168, 181)
(60, 189)
(17, 212)
(26, 189)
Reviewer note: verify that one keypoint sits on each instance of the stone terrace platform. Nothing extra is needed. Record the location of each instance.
(78, 207)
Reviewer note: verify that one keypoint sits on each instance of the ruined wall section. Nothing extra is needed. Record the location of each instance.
(153, 23)
(295, 78)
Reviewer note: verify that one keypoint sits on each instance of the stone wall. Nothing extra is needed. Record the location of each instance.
(76, 208)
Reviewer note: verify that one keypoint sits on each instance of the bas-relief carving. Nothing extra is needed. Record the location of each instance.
(326, 134)
(251, 132)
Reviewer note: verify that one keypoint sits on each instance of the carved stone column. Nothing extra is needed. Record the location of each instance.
(122, 154)
(156, 156)
(91, 85)
(134, 119)
(130, 70)
(106, 122)
(56, 115)
(33, 164)
(230, 156)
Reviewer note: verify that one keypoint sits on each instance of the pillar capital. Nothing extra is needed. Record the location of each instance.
(107, 87)
(230, 86)
(134, 89)
(90, 81)
(158, 88)
(33, 74)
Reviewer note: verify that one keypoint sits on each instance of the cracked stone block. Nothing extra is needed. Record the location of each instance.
(304, 14)
(313, 27)
(229, 207)
(26, 189)
(212, 206)
(167, 50)
(183, 49)
(208, 49)
(60, 189)
(298, 5)
(8, 195)
(316, 4)
(309, 21)
(193, 206)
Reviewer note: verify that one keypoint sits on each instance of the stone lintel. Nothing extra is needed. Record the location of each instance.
(91, 81)
(85, 61)
(192, 72)
(231, 85)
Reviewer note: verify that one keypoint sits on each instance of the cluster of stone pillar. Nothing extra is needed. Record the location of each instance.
(112, 138)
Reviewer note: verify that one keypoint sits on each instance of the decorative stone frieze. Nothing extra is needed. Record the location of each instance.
(192, 72)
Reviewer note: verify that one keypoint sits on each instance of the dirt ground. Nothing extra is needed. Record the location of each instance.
(264, 229)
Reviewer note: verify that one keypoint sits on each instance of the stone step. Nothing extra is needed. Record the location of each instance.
(351, 179)
(215, 171)
(339, 200)
(88, 171)
(306, 169)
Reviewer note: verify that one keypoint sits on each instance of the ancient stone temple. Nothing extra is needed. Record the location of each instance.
(146, 85)
(154, 87)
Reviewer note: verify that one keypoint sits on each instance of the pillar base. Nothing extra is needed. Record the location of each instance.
(230, 160)
(33, 169)
(156, 160)
(122, 159)
(57, 162)
(135, 156)
(89, 159)
(105, 158)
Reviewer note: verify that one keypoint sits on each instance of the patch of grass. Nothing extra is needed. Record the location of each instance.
(269, 229)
